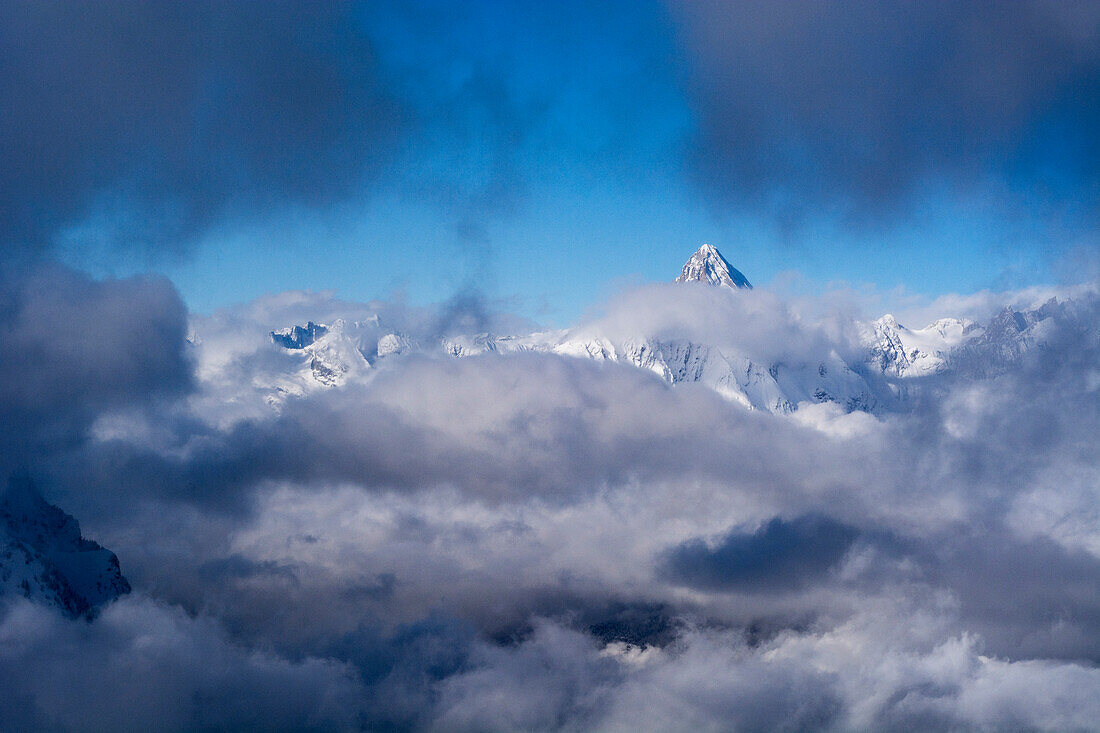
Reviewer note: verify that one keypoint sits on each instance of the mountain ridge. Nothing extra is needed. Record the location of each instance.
(45, 558)
(886, 367)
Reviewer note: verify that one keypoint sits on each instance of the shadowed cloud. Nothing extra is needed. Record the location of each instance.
(149, 122)
(781, 555)
(864, 108)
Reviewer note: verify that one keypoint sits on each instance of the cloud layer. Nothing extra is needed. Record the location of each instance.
(148, 124)
(545, 542)
(864, 108)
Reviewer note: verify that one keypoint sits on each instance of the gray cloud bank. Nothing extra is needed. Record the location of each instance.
(541, 542)
(863, 108)
(152, 122)
(77, 347)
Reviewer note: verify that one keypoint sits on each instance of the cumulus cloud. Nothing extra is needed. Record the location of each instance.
(757, 323)
(546, 542)
(873, 672)
(76, 348)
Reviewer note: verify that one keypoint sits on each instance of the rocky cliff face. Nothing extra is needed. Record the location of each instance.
(44, 558)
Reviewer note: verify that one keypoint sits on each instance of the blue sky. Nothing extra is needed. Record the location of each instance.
(544, 156)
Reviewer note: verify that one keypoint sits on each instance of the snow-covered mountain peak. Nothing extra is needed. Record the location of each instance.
(298, 337)
(889, 321)
(707, 265)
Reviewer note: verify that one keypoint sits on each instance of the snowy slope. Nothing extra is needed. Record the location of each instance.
(887, 365)
(707, 265)
(44, 558)
(897, 351)
(758, 385)
(953, 346)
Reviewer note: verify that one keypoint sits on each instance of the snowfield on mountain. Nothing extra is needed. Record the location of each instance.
(684, 333)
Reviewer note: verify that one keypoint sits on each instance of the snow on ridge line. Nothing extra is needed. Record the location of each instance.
(707, 265)
(884, 377)
(895, 358)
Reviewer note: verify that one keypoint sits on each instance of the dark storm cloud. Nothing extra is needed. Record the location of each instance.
(75, 347)
(145, 666)
(238, 567)
(856, 106)
(144, 125)
(782, 554)
(154, 120)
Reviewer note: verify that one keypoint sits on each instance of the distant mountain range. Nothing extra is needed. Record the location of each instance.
(892, 363)
(44, 557)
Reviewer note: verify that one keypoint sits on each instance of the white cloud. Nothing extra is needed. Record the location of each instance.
(484, 543)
